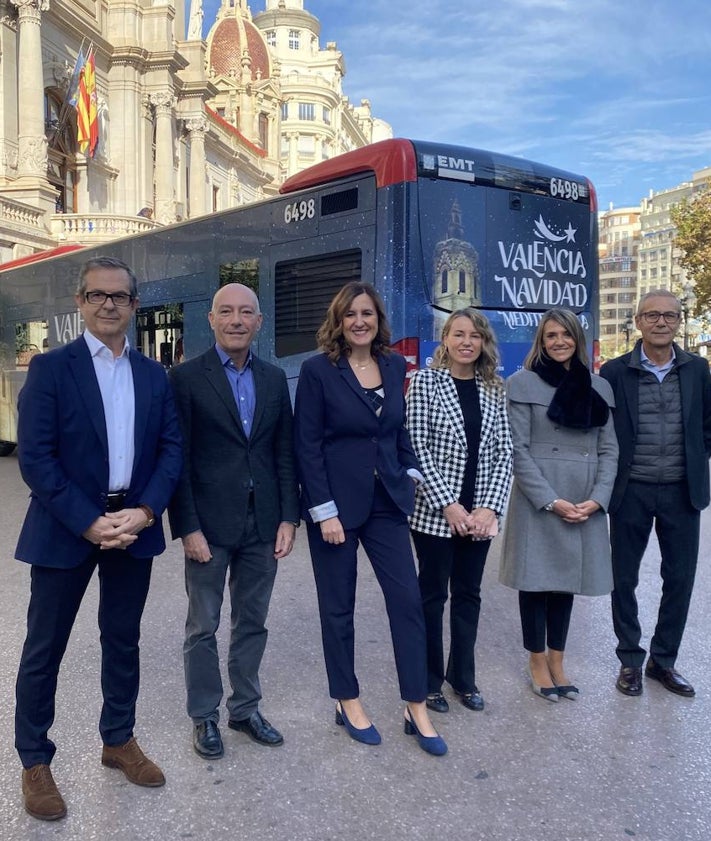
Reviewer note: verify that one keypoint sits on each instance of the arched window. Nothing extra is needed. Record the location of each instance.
(462, 280)
(444, 281)
(60, 127)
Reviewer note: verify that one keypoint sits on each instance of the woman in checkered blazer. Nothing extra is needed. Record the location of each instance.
(456, 417)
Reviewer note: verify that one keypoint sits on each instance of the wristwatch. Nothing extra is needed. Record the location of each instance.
(550, 505)
(150, 516)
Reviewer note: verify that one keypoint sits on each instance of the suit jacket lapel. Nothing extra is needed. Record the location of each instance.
(630, 387)
(687, 385)
(218, 380)
(449, 399)
(351, 381)
(142, 403)
(260, 391)
(82, 368)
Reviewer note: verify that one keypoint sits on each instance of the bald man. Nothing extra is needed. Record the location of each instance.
(235, 509)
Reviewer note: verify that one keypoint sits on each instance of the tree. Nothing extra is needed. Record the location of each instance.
(692, 218)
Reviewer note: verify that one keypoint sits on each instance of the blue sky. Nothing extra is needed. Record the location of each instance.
(612, 89)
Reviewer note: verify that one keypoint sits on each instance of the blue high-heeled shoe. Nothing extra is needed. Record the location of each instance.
(430, 744)
(366, 735)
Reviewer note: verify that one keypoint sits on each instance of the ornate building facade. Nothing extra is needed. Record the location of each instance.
(186, 126)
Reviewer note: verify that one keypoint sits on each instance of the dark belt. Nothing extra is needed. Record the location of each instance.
(115, 501)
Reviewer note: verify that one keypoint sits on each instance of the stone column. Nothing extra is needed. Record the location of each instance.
(196, 127)
(165, 192)
(293, 151)
(32, 141)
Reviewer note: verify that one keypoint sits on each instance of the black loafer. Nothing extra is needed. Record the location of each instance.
(670, 679)
(259, 729)
(437, 702)
(207, 741)
(472, 700)
(629, 680)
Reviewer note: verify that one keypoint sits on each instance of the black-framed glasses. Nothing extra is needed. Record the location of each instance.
(654, 316)
(118, 299)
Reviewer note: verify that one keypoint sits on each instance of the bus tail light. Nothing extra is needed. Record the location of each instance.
(596, 356)
(410, 349)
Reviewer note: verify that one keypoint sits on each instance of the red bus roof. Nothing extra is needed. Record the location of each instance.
(39, 255)
(392, 161)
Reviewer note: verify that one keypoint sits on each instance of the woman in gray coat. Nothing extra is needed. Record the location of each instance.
(556, 539)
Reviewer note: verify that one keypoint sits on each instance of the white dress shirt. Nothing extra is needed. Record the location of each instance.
(116, 385)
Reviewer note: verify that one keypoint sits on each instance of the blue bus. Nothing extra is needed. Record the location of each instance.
(433, 227)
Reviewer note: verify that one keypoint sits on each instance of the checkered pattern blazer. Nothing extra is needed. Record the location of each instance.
(436, 426)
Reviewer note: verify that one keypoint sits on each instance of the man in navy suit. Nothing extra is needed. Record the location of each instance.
(99, 446)
(235, 509)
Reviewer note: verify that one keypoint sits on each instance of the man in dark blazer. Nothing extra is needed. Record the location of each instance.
(236, 508)
(99, 446)
(663, 425)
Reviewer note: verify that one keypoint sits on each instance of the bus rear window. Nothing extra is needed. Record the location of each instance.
(303, 289)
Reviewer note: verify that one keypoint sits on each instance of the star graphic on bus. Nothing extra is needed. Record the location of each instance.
(542, 230)
(545, 232)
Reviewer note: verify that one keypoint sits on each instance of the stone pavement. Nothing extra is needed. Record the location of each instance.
(602, 768)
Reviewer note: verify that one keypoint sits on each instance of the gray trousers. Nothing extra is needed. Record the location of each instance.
(252, 570)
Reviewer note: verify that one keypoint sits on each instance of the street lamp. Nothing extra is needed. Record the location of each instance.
(628, 326)
(687, 301)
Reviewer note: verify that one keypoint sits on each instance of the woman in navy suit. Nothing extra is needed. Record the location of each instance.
(358, 472)
(457, 420)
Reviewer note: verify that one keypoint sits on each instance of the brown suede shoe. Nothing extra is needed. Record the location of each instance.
(130, 759)
(42, 797)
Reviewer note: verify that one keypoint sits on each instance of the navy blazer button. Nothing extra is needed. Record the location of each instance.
(374, 440)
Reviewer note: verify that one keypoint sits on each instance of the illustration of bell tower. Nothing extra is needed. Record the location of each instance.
(456, 279)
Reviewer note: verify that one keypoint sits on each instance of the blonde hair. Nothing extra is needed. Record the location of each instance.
(487, 363)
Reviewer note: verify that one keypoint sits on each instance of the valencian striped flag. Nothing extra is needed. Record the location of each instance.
(73, 91)
(87, 116)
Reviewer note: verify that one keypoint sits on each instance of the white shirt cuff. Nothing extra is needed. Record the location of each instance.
(324, 511)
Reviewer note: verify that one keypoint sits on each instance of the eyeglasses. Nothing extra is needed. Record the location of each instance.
(654, 316)
(118, 299)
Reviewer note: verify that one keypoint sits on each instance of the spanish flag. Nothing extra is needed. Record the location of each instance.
(87, 117)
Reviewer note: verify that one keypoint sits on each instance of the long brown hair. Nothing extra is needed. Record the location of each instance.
(487, 363)
(568, 320)
(330, 334)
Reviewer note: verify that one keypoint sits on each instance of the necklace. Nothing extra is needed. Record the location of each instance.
(362, 367)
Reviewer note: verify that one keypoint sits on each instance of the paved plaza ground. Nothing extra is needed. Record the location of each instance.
(603, 768)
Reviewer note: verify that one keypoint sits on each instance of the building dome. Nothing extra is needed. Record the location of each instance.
(230, 38)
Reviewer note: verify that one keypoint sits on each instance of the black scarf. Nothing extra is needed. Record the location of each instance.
(575, 403)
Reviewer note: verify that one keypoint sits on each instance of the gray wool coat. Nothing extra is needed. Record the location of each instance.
(540, 551)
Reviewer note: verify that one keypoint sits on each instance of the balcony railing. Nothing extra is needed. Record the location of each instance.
(18, 213)
(90, 228)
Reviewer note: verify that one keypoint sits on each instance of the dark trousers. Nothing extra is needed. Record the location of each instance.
(252, 570)
(456, 564)
(676, 522)
(386, 539)
(54, 602)
(545, 619)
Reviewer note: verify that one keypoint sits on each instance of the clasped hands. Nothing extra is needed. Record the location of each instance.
(575, 512)
(116, 529)
(479, 523)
